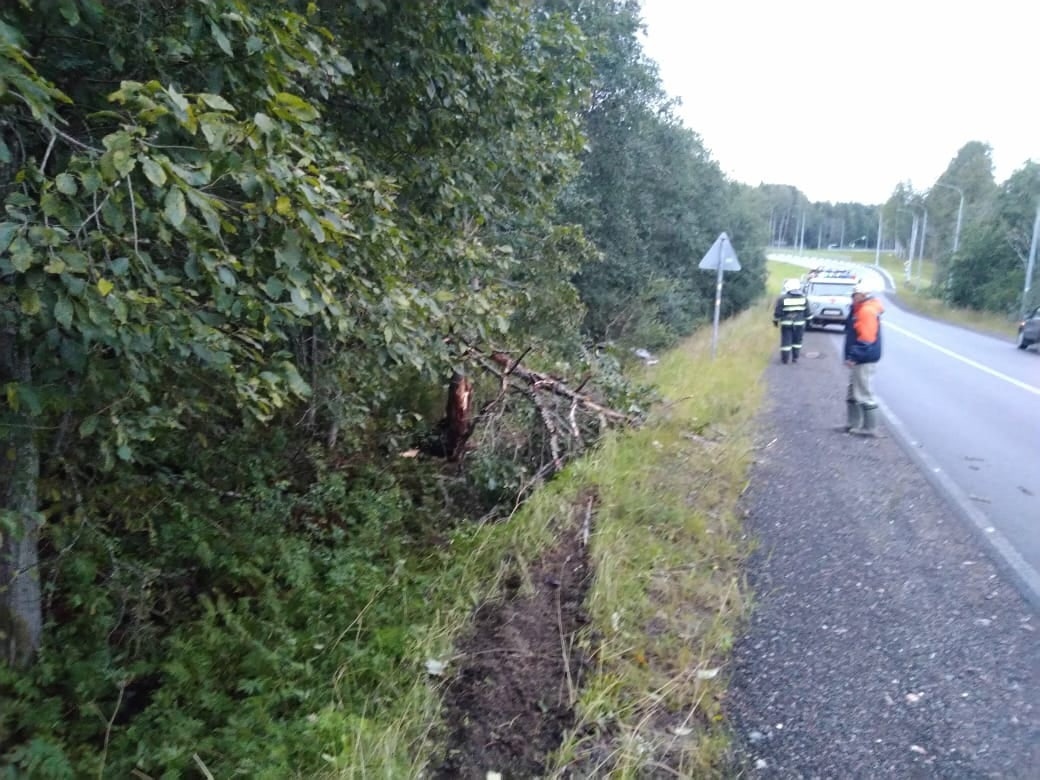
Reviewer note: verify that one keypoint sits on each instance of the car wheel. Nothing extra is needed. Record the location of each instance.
(1022, 342)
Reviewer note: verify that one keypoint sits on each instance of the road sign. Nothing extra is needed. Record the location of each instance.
(719, 258)
(721, 251)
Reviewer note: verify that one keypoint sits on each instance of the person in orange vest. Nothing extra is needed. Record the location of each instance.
(789, 314)
(862, 353)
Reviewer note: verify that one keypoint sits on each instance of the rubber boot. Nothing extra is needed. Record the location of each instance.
(783, 357)
(869, 427)
(853, 416)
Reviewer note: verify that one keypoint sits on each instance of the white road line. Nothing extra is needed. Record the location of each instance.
(961, 358)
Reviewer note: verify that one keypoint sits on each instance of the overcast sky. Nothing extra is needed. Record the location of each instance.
(845, 100)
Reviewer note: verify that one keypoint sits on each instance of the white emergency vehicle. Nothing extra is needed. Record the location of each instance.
(829, 291)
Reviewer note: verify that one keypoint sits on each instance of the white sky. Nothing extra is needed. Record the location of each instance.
(845, 100)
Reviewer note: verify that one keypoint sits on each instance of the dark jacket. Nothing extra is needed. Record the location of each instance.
(863, 332)
(791, 307)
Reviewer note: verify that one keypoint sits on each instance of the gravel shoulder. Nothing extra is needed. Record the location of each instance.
(884, 642)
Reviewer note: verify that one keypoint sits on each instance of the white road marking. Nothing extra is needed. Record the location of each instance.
(962, 359)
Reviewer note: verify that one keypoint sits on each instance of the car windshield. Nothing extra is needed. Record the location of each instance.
(827, 288)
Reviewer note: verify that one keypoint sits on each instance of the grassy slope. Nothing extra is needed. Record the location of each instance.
(667, 598)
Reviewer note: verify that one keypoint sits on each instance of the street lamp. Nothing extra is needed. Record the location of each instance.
(922, 221)
(960, 214)
(877, 244)
(1029, 264)
(908, 264)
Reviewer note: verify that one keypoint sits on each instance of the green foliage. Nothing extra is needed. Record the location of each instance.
(227, 628)
(233, 230)
(988, 271)
(649, 196)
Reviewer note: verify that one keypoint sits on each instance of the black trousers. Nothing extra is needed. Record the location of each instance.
(791, 333)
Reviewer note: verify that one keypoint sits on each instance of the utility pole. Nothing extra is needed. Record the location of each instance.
(913, 243)
(1031, 263)
(920, 253)
(877, 248)
(960, 214)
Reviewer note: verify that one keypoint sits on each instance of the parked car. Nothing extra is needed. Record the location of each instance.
(1029, 329)
(830, 299)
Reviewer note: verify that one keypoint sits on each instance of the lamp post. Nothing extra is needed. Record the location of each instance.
(877, 245)
(908, 264)
(924, 235)
(960, 214)
(1032, 260)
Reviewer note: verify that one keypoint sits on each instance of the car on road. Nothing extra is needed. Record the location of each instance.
(830, 297)
(1029, 329)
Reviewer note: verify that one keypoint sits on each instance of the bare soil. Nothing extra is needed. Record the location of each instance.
(511, 699)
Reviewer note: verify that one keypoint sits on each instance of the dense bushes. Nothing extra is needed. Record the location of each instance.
(243, 247)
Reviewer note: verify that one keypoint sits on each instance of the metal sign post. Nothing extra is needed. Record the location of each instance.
(719, 258)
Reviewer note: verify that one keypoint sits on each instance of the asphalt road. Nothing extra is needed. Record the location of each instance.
(967, 407)
(970, 404)
(884, 641)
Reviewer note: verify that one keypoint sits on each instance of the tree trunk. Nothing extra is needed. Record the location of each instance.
(21, 611)
(457, 416)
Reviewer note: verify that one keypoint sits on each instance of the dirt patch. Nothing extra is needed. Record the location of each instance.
(512, 699)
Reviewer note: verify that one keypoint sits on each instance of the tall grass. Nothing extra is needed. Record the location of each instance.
(667, 598)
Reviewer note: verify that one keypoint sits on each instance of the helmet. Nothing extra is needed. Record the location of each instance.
(862, 288)
(790, 285)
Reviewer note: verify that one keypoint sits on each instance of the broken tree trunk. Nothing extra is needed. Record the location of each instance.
(458, 416)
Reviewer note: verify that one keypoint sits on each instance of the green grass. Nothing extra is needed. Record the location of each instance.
(667, 600)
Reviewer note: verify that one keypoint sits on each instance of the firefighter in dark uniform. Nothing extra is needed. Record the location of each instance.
(790, 314)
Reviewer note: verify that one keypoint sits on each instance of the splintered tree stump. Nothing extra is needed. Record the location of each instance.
(457, 416)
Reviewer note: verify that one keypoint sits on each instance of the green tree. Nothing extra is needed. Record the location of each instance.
(229, 204)
(989, 270)
(649, 196)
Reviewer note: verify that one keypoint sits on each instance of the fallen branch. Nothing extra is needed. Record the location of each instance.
(539, 381)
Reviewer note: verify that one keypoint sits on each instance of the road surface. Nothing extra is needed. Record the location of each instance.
(967, 406)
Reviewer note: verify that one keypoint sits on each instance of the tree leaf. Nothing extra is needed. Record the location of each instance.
(55, 266)
(7, 233)
(104, 286)
(264, 123)
(176, 209)
(153, 171)
(21, 255)
(227, 276)
(312, 222)
(63, 311)
(221, 39)
(215, 102)
(88, 426)
(69, 10)
(29, 300)
(289, 106)
(66, 184)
